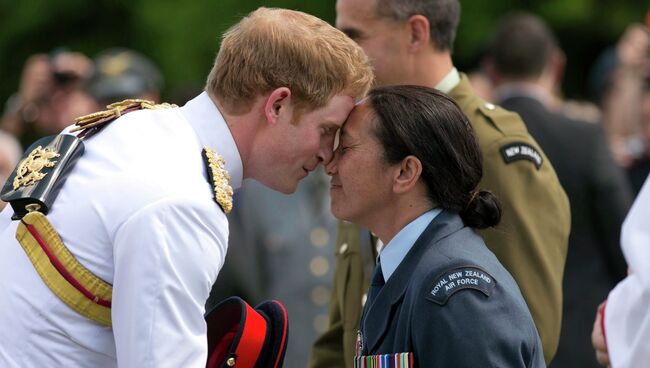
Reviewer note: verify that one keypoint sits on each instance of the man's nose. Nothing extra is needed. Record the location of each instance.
(325, 154)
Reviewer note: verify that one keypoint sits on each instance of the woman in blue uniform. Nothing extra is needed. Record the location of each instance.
(406, 168)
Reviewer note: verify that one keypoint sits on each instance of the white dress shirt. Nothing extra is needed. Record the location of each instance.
(138, 211)
(449, 82)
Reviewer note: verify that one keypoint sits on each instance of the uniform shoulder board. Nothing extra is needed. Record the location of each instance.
(516, 151)
(219, 178)
(36, 181)
(508, 123)
(114, 111)
(491, 113)
(462, 278)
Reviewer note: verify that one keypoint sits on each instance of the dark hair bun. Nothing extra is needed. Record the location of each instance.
(482, 211)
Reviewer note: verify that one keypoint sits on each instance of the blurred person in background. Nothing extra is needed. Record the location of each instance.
(639, 167)
(50, 95)
(10, 153)
(411, 42)
(481, 84)
(281, 248)
(122, 73)
(525, 64)
(618, 81)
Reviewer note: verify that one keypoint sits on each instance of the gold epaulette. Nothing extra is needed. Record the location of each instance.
(114, 111)
(219, 178)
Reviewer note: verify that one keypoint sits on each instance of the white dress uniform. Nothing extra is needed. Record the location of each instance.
(138, 211)
(627, 312)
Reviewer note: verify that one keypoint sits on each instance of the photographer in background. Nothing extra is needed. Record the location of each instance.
(50, 95)
(10, 152)
(618, 81)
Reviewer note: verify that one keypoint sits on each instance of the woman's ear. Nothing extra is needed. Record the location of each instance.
(410, 170)
(278, 104)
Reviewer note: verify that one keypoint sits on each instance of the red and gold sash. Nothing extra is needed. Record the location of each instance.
(68, 279)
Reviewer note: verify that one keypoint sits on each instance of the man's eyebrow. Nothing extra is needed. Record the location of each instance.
(332, 124)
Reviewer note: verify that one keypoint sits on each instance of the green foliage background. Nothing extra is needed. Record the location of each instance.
(183, 37)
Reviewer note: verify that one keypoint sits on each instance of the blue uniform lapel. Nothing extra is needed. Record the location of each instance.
(379, 315)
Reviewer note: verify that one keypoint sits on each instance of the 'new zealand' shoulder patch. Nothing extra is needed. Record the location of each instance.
(457, 279)
(521, 151)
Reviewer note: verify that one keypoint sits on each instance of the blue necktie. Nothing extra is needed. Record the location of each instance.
(375, 284)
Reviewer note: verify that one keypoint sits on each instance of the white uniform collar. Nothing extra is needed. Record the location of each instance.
(213, 132)
(449, 82)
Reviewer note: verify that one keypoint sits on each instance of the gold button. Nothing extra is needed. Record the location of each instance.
(319, 266)
(230, 362)
(321, 323)
(344, 248)
(320, 295)
(489, 106)
(319, 237)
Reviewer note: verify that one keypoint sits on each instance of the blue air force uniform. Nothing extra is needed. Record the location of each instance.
(449, 302)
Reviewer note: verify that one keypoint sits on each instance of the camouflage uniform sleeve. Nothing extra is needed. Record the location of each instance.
(327, 350)
(336, 346)
(531, 240)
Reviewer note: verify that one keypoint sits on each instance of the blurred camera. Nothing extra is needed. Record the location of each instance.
(68, 68)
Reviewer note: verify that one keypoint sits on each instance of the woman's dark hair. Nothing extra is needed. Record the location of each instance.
(425, 123)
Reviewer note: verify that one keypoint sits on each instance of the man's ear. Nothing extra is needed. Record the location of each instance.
(278, 105)
(410, 170)
(558, 63)
(418, 27)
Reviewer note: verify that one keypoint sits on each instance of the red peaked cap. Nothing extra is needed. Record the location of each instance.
(242, 337)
